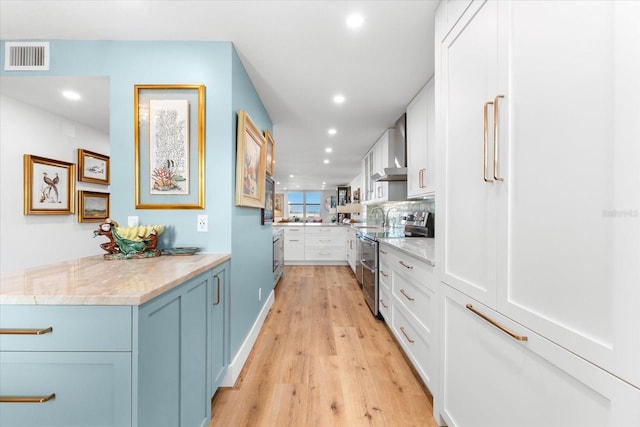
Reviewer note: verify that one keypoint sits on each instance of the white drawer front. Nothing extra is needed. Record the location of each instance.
(321, 254)
(418, 299)
(325, 230)
(74, 328)
(491, 379)
(414, 342)
(417, 270)
(293, 230)
(384, 303)
(324, 240)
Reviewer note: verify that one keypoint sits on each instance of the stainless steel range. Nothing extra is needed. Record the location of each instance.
(416, 224)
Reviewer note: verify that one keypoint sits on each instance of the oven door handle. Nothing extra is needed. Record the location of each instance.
(367, 266)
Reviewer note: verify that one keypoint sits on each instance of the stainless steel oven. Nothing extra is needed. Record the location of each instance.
(278, 255)
(368, 271)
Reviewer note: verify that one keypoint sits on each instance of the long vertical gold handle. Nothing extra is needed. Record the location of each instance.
(496, 117)
(421, 183)
(497, 325)
(406, 336)
(26, 331)
(484, 141)
(27, 399)
(218, 286)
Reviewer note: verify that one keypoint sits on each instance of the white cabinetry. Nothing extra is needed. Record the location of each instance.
(379, 157)
(325, 243)
(293, 243)
(408, 304)
(540, 214)
(352, 249)
(421, 143)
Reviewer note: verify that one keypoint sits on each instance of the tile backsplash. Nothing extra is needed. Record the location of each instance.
(371, 214)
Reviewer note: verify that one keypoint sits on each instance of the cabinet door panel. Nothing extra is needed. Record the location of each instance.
(570, 214)
(468, 57)
(526, 384)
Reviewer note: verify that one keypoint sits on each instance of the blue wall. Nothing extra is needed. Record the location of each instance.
(228, 89)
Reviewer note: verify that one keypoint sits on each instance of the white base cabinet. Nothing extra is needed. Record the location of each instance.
(315, 244)
(490, 379)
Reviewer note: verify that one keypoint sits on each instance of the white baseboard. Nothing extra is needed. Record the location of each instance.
(235, 368)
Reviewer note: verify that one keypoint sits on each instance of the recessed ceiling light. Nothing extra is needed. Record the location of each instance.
(326, 161)
(332, 131)
(324, 183)
(297, 186)
(290, 176)
(355, 21)
(339, 99)
(278, 183)
(328, 149)
(69, 94)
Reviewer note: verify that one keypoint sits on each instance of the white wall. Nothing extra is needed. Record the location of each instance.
(35, 240)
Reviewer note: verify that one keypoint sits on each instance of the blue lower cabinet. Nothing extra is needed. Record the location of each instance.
(219, 327)
(172, 357)
(90, 388)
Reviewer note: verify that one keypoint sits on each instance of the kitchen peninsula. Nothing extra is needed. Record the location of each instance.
(127, 342)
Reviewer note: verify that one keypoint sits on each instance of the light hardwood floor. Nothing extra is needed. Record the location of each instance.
(322, 359)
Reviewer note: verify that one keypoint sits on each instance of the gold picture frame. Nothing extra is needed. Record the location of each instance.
(93, 167)
(93, 206)
(169, 122)
(49, 186)
(271, 147)
(250, 163)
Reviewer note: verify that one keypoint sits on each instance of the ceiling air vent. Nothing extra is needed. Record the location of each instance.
(26, 56)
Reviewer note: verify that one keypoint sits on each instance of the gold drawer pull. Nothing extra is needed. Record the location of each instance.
(405, 334)
(382, 302)
(218, 286)
(26, 331)
(484, 141)
(497, 325)
(406, 296)
(27, 399)
(410, 267)
(383, 273)
(383, 251)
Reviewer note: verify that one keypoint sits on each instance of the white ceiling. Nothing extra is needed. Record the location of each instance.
(297, 53)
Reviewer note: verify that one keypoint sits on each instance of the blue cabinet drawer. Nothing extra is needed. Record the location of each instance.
(91, 389)
(74, 328)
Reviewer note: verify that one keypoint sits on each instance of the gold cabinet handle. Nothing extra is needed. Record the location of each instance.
(484, 141)
(497, 325)
(218, 286)
(406, 296)
(383, 304)
(421, 178)
(410, 267)
(26, 331)
(496, 117)
(27, 399)
(383, 273)
(382, 251)
(405, 334)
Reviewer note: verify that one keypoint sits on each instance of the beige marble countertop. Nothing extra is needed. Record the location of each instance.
(422, 248)
(96, 281)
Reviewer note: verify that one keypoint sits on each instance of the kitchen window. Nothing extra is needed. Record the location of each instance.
(304, 205)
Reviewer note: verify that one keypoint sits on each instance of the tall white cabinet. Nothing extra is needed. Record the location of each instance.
(421, 159)
(538, 106)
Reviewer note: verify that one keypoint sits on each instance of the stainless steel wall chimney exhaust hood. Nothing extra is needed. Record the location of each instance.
(397, 169)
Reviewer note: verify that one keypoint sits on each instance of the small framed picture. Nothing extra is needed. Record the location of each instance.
(93, 206)
(271, 148)
(269, 202)
(49, 186)
(93, 167)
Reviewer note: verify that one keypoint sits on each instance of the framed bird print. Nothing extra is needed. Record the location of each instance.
(93, 167)
(49, 186)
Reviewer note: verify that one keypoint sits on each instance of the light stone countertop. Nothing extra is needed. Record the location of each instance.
(422, 248)
(96, 281)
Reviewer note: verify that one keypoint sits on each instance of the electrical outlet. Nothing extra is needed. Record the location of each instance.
(132, 221)
(259, 294)
(203, 223)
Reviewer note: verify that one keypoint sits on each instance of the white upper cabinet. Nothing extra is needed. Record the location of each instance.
(421, 143)
(540, 105)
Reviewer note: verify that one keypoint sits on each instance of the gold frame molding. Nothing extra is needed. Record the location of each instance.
(271, 152)
(195, 95)
(65, 171)
(82, 215)
(254, 176)
(82, 163)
